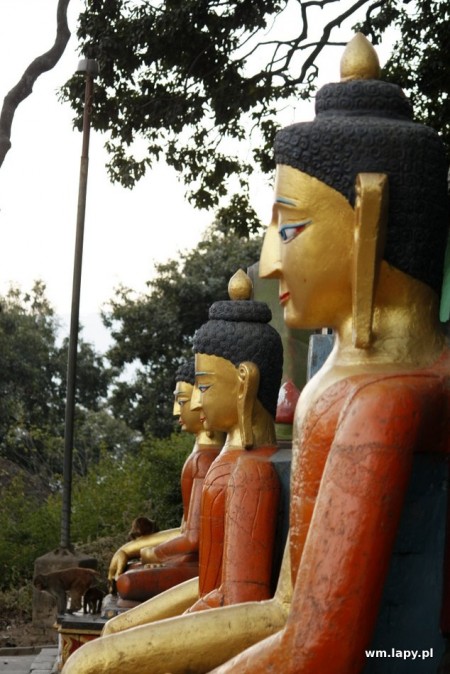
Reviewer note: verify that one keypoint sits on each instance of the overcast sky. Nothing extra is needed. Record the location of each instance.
(125, 231)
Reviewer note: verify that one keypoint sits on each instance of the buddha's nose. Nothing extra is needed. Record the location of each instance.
(196, 399)
(270, 261)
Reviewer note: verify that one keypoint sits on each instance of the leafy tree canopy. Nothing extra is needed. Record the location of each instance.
(154, 331)
(420, 60)
(201, 82)
(33, 380)
(106, 499)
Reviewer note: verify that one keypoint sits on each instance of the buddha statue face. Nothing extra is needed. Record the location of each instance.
(189, 419)
(238, 366)
(216, 392)
(308, 246)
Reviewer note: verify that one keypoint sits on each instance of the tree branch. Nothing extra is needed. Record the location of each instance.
(24, 86)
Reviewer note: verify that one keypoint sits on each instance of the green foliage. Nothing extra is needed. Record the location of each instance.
(154, 331)
(33, 381)
(420, 59)
(104, 503)
(16, 605)
(28, 370)
(98, 433)
(173, 96)
(191, 78)
(114, 492)
(93, 377)
(29, 528)
(164, 460)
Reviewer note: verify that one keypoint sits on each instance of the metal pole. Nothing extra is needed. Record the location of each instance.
(90, 68)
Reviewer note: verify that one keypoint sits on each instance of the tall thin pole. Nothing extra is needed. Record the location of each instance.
(90, 68)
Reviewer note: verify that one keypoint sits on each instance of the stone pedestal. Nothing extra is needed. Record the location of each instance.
(74, 631)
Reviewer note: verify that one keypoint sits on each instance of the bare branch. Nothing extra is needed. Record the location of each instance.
(280, 62)
(24, 86)
(326, 35)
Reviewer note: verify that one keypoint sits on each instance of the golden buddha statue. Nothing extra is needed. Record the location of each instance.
(238, 375)
(171, 554)
(357, 242)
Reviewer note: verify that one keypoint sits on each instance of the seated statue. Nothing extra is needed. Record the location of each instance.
(172, 554)
(357, 243)
(238, 375)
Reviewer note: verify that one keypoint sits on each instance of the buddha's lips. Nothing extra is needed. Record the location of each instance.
(202, 419)
(284, 297)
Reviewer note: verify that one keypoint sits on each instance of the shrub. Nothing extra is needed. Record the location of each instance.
(104, 502)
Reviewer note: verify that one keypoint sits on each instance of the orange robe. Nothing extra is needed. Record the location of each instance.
(178, 556)
(352, 467)
(238, 524)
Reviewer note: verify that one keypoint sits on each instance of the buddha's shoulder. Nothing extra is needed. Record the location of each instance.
(386, 385)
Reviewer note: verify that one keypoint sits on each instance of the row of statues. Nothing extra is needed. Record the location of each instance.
(171, 556)
(357, 242)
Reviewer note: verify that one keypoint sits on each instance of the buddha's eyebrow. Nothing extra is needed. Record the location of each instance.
(201, 374)
(284, 200)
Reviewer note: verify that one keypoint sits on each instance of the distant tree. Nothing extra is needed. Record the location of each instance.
(106, 499)
(97, 433)
(154, 331)
(32, 381)
(24, 86)
(92, 379)
(201, 82)
(144, 482)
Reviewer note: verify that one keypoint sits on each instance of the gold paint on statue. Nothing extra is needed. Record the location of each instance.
(170, 603)
(387, 323)
(369, 240)
(192, 643)
(132, 549)
(181, 407)
(227, 395)
(360, 60)
(143, 546)
(240, 286)
(154, 635)
(405, 328)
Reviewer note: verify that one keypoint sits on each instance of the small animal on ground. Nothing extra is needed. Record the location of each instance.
(142, 526)
(73, 581)
(92, 600)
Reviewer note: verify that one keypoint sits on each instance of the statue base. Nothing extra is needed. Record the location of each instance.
(75, 630)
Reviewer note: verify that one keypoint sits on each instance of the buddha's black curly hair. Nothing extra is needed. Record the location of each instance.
(238, 331)
(366, 126)
(186, 372)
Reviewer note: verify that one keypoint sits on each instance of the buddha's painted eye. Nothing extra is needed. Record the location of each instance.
(289, 231)
(203, 387)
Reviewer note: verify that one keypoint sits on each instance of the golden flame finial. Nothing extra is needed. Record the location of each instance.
(359, 60)
(240, 286)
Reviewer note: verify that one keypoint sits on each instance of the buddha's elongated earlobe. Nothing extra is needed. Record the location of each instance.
(369, 240)
(248, 389)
